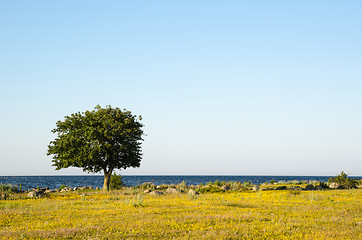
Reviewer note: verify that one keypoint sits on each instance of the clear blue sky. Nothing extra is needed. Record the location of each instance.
(224, 87)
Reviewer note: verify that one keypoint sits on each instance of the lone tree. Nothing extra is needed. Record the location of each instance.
(103, 139)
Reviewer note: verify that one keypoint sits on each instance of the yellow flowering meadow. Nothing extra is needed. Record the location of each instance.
(331, 214)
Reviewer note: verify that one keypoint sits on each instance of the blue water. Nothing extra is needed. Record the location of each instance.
(53, 182)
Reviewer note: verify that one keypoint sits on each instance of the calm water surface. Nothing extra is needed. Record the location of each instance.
(54, 182)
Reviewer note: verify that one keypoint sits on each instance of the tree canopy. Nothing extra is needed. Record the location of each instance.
(103, 139)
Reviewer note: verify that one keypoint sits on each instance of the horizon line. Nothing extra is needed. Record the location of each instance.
(266, 175)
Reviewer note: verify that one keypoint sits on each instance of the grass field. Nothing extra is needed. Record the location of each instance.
(331, 214)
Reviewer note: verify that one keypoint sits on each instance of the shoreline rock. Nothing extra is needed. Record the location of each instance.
(35, 194)
(156, 193)
(171, 190)
(334, 185)
(193, 192)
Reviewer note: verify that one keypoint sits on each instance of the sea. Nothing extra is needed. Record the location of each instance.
(54, 182)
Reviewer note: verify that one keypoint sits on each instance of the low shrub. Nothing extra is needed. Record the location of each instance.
(209, 183)
(210, 189)
(234, 186)
(8, 188)
(323, 185)
(247, 184)
(182, 186)
(344, 181)
(294, 182)
(217, 183)
(148, 186)
(116, 182)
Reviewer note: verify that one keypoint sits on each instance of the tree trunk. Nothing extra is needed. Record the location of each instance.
(107, 180)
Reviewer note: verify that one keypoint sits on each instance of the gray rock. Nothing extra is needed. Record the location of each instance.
(31, 194)
(147, 191)
(193, 192)
(50, 191)
(66, 189)
(156, 193)
(334, 185)
(35, 194)
(255, 188)
(171, 190)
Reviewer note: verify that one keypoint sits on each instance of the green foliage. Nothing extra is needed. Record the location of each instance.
(147, 186)
(344, 181)
(272, 181)
(209, 183)
(340, 179)
(217, 183)
(116, 182)
(182, 186)
(234, 186)
(62, 186)
(210, 189)
(8, 188)
(104, 139)
(323, 185)
(247, 184)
